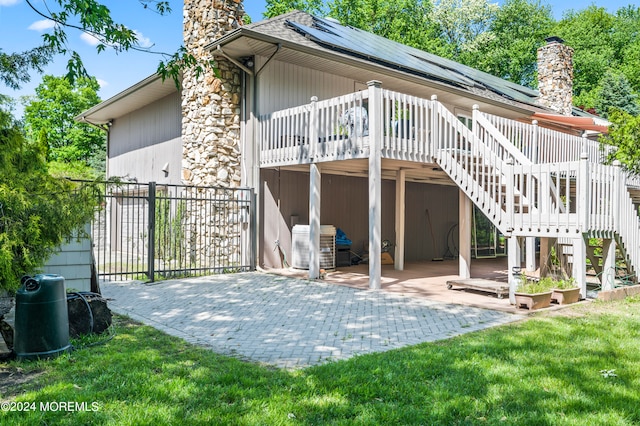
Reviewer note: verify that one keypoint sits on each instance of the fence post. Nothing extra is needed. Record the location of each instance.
(618, 187)
(151, 242)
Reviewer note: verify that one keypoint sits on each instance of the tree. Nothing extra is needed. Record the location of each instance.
(49, 118)
(37, 211)
(280, 7)
(510, 52)
(624, 134)
(94, 18)
(615, 92)
(464, 23)
(589, 33)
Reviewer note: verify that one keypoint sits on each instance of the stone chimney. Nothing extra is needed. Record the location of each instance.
(210, 102)
(555, 75)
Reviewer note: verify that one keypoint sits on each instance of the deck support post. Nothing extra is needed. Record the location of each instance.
(608, 275)
(465, 211)
(401, 176)
(513, 261)
(546, 244)
(530, 253)
(315, 182)
(315, 179)
(375, 183)
(579, 272)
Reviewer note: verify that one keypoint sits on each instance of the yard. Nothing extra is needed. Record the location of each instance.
(577, 366)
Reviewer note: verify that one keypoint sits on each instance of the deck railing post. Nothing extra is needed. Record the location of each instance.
(313, 129)
(435, 128)
(618, 186)
(584, 205)
(534, 143)
(375, 183)
(509, 193)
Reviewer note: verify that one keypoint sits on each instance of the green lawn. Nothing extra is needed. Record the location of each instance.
(551, 369)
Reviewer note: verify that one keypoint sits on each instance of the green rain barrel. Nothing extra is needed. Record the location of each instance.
(41, 322)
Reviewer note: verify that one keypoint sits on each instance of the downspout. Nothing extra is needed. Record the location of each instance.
(105, 128)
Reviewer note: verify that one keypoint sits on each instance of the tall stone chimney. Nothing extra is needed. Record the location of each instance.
(555, 75)
(210, 103)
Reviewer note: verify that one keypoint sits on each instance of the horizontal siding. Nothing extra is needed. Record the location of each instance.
(73, 262)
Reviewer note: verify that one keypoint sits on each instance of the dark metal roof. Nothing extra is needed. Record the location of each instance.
(356, 42)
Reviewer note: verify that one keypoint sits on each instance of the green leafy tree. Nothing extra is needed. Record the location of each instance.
(624, 134)
(49, 118)
(405, 21)
(589, 33)
(464, 23)
(37, 211)
(280, 7)
(615, 92)
(94, 18)
(510, 51)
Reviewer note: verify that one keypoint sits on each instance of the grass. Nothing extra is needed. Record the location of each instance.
(575, 368)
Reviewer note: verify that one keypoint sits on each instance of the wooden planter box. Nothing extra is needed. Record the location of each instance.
(566, 296)
(533, 301)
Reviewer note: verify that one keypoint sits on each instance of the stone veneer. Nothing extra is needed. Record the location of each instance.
(210, 103)
(555, 76)
(211, 138)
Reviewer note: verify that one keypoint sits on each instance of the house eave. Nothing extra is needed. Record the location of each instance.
(131, 99)
(230, 44)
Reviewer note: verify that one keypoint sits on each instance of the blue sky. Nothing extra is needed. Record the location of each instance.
(21, 29)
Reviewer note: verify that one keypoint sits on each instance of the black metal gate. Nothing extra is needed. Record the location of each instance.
(150, 231)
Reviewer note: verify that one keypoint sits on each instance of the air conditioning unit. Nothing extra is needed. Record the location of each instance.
(300, 251)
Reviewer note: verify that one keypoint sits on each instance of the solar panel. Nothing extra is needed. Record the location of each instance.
(378, 49)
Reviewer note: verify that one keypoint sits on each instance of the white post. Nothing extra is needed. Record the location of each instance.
(315, 179)
(546, 244)
(608, 263)
(400, 219)
(513, 264)
(580, 264)
(530, 253)
(465, 207)
(534, 143)
(584, 203)
(375, 183)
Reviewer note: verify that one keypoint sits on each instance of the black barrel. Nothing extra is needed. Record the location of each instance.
(42, 321)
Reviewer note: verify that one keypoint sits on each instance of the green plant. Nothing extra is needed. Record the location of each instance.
(565, 284)
(530, 286)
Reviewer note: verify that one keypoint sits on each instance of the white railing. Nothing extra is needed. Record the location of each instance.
(473, 165)
(626, 218)
(408, 127)
(543, 145)
(333, 129)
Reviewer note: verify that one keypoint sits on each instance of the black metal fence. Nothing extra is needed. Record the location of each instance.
(149, 231)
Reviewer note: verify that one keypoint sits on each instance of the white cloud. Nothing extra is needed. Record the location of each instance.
(90, 39)
(102, 83)
(142, 40)
(8, 2)
(43, 25)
